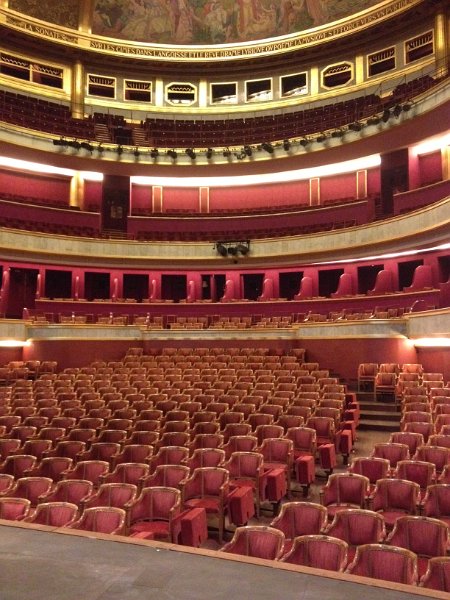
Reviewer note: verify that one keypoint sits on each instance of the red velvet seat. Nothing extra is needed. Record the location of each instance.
(300, 518)
(437, 576)
(394, 498)
(14, 509)
(54, 514)
(318, 551)
(74, 491)
(357, 527)
(101, 519)
(344, 490)
(387, 563)
(424, 536)
(258, 541)
(154, 513)
(208, 488)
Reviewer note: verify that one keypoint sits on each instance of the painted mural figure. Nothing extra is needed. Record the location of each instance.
(216, 22)
(212, 21)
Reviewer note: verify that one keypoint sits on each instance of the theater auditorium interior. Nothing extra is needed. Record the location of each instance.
(224, 299)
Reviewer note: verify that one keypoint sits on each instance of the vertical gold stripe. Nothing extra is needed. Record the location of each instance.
(159, 92)
(203, 93)
(85, 16)
(77, 191)
(445, 157)
(314, 81)
(441, 44)
(361, 184)
(78, 90)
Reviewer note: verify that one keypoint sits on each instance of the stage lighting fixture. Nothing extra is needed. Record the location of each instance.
(209, 153)
(243, 248)
(100, 148)
(172, 154)
(227, 153)
(397, 110)
(240, 155)
(355, 126)
(74, 144)
(373, 120)
(321, 138)
(119, 150)
(386, 115)
(60, 142)
(136, 152)
(154, 153)
(87, 146)
(338, 133)
(248, 150)
(221, 249)
(191, 153)
(287, 145)
(407, 106)
(304, 142)
(267, 147)
(232, 250)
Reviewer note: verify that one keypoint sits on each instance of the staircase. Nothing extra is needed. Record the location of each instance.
(378, 415)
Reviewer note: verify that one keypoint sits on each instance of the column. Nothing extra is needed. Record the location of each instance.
(441, 43)
(78, 77)
(85, 16)
(77, 191)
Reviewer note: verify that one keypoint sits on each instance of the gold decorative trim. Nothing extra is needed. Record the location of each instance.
(267, 47)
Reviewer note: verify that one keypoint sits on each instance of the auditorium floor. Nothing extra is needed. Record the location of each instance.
(40, 565)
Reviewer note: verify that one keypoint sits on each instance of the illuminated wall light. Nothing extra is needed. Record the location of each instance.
(437, 342)
(349, 166)
(14, 344)
(432, 145)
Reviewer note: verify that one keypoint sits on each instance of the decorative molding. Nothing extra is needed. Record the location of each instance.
(225, 52)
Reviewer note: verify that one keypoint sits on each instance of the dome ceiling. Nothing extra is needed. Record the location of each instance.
(204, 22)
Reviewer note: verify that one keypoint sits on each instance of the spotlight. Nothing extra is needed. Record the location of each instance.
(74, 144)
(355, 126)
(154, 153)
(119, 150)
(304, 142)
(321, 138)
(136, 152)
(87, 146)
(338, 133)
(60, 142)
(397, 110)
(172, 154)
(247, 150)
(386, 115)
(191, 153)
(232, 250)
(287, 145)
(209, 153)
(373, 120)
(407, 106)
(227, 153)
(267, 147)
(100, 148)
(221, 249)
(243, 248)
(240, 155)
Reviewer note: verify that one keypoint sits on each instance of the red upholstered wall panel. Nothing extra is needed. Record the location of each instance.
(339, 186)
(180, 198)
(430, 168)
(373, 181)
(259, 196)
(35, 186)
(141, 198)
(92, 195)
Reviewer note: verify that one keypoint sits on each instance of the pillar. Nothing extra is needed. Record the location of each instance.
(77, 191)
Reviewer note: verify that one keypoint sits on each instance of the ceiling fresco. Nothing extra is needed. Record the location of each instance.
(194, 22)
(210, 22)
